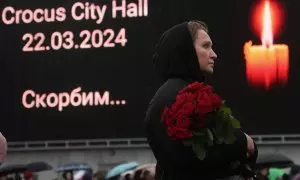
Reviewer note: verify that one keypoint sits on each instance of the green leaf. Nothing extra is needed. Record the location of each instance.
(235, 123)
(219, 125)
(213, 130)
(225, 114)
(210, 143)
(210, 136)
(222, 134)
(187, 142)
(220, 140)
(230, 138)
(200, 132)
(224, 130)
(226, 110)
(199, 150)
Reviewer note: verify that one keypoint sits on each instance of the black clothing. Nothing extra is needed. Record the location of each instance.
(176, 62)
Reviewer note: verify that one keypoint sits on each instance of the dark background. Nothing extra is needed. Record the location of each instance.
(127, 71)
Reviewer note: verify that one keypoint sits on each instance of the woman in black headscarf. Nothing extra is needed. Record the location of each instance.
(184, 55)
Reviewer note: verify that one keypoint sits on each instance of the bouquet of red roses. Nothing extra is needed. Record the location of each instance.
(199, 118)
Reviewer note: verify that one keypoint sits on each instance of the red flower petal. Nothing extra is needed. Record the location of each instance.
(189, 110)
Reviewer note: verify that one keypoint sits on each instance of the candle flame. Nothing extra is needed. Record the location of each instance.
(267, 64)
(267, 34)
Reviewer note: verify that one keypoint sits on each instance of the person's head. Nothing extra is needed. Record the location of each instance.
(185, 51)
(128, 175)
(99, 175)
(264, 171)
(203, 45)
(68, 175)
(143, 172)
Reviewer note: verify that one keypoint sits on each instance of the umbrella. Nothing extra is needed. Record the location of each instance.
(121, 168)
(73, 167)
(273, 160)
(39, 166)
(12, 169)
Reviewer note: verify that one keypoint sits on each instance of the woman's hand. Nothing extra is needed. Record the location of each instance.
(250, 145)
(3, 148)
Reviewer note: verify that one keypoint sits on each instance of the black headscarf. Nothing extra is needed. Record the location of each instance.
(175, 55)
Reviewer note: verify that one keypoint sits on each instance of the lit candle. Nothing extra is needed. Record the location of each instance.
(266, 64)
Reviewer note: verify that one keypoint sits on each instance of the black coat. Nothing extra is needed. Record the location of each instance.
(176, 62)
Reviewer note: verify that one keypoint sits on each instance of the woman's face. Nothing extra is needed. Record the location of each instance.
(206, 55)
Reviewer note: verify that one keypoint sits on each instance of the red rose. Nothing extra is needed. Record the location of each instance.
(187, 109)
(177, 133)
(207, 100)
(216, 101)
(177, 118)
(190, 108)
(194, 87)
(204, 104)
(183, 122)
(166, 117)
